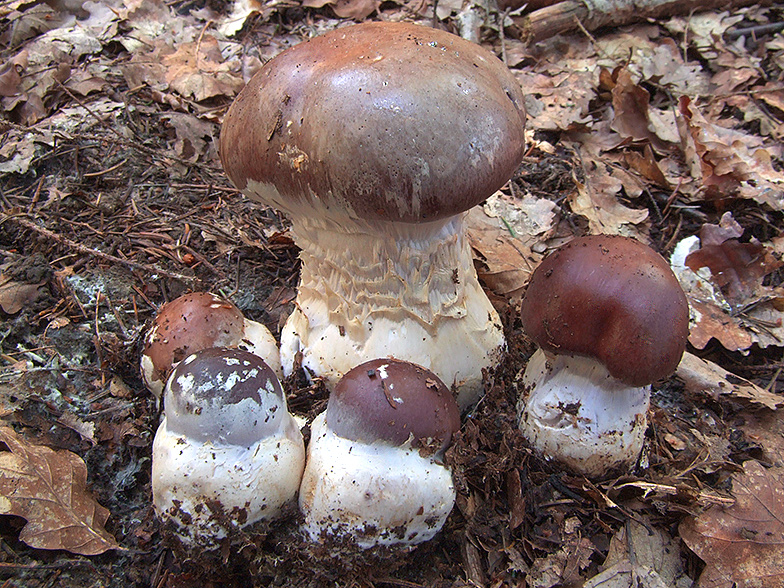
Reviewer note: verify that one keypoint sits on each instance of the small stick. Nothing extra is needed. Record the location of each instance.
(93, 252)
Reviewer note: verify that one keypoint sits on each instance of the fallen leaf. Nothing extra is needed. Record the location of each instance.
(197, 69)
(505, 258)
(630, 105)
(562, 567)
(194, 136)
(742, 545)
(766, 429)
(240, 11)
(730, 163)
(701, 376)
(16, 152)
(757, 320)
(14, 296)
(556, 100)
(639, 556)
(736, 268)
(85, 429)
(48, 489)
(711, 321)
(356, 9)
(11, 74)
(597, 200)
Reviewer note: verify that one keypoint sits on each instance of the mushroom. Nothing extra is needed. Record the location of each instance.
(227, 452)
(195, 321)
(375, 139)
(610, 318)
(375, 473)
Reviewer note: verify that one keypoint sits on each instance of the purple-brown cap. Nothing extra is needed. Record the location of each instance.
(389, 400)
(386, 121)
(187, 324)
(611, 298)
(226, 395)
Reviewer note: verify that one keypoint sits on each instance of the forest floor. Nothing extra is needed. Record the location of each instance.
(113, 201)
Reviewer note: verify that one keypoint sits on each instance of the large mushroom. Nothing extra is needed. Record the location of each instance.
(375, 139)
(227, 452)
(610, 318)
(195, 321)
(375, 473)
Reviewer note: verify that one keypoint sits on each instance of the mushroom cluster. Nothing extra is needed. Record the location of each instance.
(610, 318)
(195, 321)
(227, 452)
(375, 473)
(375, 139)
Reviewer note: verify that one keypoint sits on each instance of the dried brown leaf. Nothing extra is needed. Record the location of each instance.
(557, 100)
(729, 163)
(11, 74)
(645, 164)
(356, 9)
(766, 429)
(48, 489)
(713, 322)
(630, 105)
(562, 567)
(502, 235)
(197, 69)
(194, 136)
(639, 556)
(742, 545)
(737, 323)
(14, 296)
(85, 429)
(701, 376)
(597, 200)
(737, 268)
(240, 11)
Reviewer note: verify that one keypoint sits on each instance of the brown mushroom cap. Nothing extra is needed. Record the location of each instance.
(390, 400)
(389, 121)
(187, 324)
(611, 298)
(226, 395)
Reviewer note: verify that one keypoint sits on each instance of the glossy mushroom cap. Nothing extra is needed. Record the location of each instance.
(225, 396)
(227, 452)
(374, 471)
(186, 324)
(393, 401)
(379, 121)
(196, 321)
(613, 299)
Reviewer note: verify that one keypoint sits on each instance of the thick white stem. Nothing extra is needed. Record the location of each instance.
(573, 411)
(192, 478)
(376, 494)
(408, 291)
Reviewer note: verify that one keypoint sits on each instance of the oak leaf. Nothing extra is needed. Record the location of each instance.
(48, 489)
(742, 545)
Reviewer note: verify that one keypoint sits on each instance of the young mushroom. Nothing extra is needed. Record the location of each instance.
(375, 472)
(375, 139)
(196, 321)
(227, 452)
(610, 319)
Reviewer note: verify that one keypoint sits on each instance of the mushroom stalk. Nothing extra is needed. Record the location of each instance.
(378, 289)
(573, 410)
(377, 493)
(358, 136)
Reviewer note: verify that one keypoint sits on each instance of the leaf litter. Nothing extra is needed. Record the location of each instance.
(113, 201)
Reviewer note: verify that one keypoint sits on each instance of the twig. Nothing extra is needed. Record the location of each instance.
(592, 14)
(773, 27)
(502, 36)
(65, 241)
